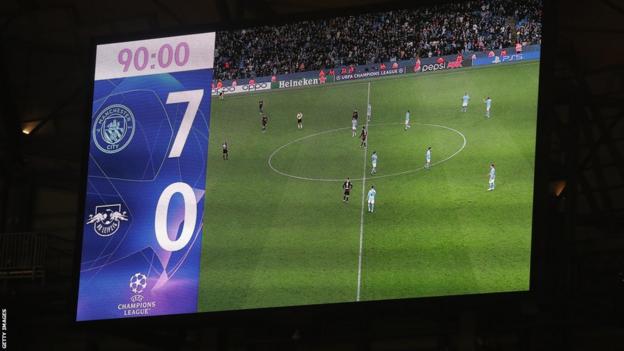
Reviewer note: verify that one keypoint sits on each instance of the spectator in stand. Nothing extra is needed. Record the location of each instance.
(478, 25)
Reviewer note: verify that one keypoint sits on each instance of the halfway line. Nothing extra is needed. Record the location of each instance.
(359, 284)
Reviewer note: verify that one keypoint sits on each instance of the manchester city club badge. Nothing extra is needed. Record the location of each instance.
(113, 128)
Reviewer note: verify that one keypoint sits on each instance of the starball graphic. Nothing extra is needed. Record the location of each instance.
(138, 283)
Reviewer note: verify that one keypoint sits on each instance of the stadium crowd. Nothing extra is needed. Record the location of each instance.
(380, 37)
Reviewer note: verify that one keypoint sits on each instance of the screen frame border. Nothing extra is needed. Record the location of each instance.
(351, 311)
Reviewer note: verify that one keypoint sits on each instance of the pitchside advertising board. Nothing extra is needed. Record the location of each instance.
(243, 88)
(368, 71)
(534, 54)
(146, 177)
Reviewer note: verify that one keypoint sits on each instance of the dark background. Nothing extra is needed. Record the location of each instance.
(578, 267)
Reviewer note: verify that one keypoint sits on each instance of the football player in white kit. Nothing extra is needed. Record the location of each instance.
(428, 158)
(492, 177)
(354, 123)
(488, 106)
(371, 199)
(374, 162)
(407, 120)
(465, 100)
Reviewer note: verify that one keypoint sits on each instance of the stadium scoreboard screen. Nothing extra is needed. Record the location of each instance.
(146, 174)
(221, 178)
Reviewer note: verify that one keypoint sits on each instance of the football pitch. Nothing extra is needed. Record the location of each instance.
(277, 233)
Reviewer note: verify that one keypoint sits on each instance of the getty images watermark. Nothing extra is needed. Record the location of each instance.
(4, 328)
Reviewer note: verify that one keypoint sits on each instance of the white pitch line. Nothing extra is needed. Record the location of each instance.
(371, 177)
(359, 283)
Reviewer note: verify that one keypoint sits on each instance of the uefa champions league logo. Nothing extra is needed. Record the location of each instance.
(138, 283)
(137, 306)
(107, 219)
(113, 128)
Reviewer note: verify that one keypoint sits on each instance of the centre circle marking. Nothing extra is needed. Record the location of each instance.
(371, 177)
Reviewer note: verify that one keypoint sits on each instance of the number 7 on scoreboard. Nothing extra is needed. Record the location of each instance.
(193, 97)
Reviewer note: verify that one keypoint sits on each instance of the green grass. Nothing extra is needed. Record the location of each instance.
(272, 240)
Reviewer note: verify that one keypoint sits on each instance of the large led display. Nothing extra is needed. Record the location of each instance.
(374, 157)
